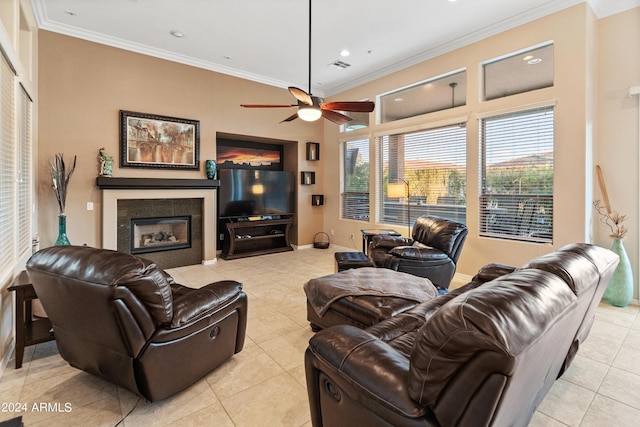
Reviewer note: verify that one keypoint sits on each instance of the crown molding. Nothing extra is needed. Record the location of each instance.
(604, 8)
(488, 31)
(45, 24)
(601, 8)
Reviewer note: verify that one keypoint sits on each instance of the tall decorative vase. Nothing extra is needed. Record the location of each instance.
(620, 289)
(211, 168)
(62, 240)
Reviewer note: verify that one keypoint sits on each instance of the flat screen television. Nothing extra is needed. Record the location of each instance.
(250, 193)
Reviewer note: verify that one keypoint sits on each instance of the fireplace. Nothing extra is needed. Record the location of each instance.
(165, 231)
(126, 198)
(160, 234)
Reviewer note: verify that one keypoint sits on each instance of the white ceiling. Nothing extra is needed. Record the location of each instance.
(267, 40)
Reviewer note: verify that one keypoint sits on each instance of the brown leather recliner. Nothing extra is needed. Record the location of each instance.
(485, 354)
(432, 252)
(122, 318)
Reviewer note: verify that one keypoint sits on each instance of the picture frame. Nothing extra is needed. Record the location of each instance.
(155, 141)
(234, 154)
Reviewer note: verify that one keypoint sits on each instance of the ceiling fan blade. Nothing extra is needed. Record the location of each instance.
(335, 117)
(355, 106)
(301, 95)
(290, 118)
(267, 105)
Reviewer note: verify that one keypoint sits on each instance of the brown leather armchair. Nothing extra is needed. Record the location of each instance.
(432, 252)
(122, 318)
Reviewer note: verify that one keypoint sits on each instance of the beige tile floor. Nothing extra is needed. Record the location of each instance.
(264, 385)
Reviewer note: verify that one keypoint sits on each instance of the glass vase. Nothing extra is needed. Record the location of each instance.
(619, 292)
(62, 239)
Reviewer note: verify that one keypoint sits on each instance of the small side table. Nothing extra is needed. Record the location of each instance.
(368, 233)
(28, 331)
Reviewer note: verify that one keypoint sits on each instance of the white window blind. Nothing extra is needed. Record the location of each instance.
(24, 173)
(354, 163)
(433, 163)
(7, 168)
(516, 197)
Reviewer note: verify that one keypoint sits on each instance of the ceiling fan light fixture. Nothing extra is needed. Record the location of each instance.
(309, 114)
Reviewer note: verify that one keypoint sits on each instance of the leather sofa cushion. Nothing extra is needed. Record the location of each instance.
(579, 273)
(419, 253)
(502, 317)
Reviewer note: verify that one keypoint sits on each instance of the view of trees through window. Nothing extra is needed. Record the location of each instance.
(516, 199)
(433, 163)
(355, 179)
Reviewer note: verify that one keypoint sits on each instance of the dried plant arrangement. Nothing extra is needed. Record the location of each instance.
(611, 218)
(60, 176)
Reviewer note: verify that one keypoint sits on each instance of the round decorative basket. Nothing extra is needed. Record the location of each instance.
(319, 242)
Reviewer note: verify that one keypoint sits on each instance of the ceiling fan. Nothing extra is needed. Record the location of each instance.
(311, 108)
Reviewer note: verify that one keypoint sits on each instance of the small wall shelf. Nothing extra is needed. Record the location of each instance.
(317, 199)
(307, 178)
(313, 151)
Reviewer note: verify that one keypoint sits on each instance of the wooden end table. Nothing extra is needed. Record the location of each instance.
(28, 330)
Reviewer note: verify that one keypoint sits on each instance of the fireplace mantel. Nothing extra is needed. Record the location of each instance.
(111, 183)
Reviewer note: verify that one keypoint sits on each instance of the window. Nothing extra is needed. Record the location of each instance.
(431, 95)
(358, 121)
(433, 163)
(521, 72)
(7, 168)
(24, 173)
(354, 160)
(516, 196)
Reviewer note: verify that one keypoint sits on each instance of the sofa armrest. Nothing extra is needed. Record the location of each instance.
(375, 368)
(492, 271)
(191, 304)
(387, 241)
(421, 252)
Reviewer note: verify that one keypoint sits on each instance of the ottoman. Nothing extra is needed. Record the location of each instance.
(347, 260)
(364, 296)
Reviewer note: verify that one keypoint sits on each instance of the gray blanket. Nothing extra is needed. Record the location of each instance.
(323, 291)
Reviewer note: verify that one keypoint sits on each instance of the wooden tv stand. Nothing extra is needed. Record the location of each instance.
(250, 238)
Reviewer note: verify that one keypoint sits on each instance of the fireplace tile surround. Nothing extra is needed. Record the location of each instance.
(131, 209)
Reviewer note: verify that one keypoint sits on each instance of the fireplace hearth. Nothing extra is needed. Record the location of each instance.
(160, 234)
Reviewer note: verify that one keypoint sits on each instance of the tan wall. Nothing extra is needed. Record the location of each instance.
(574, 51)
(617, 130)
(83, 86)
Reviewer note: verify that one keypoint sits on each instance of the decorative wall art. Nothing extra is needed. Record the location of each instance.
(231, 154)
(153, 141)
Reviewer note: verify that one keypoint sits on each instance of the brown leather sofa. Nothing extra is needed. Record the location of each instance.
(485, 354)
(432, 252)
(124, 319)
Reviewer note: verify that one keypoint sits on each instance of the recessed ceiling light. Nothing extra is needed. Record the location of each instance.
(534, 61)
(528, 58)
(399, 99)
(176, 33)
(345, 52)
